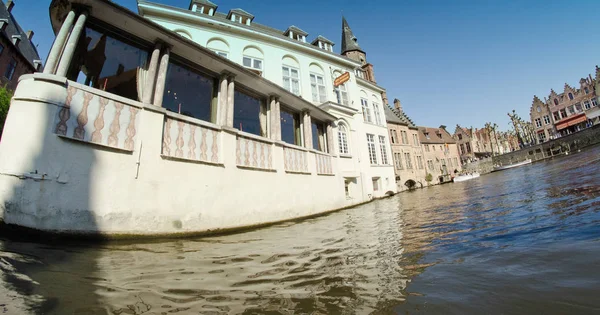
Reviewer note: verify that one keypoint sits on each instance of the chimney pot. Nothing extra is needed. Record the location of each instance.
(30, 34)
(9, 5)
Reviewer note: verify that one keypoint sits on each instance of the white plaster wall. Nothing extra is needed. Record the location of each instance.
(273, 56)
(87, 187)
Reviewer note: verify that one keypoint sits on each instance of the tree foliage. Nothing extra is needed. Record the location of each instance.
(428, 177)
(5, 96)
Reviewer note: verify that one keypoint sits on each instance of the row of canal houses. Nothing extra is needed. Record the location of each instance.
(574, 109)
(180, 120)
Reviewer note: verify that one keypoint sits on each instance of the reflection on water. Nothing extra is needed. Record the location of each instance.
(519, 241)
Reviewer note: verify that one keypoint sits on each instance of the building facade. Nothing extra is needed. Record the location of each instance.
(18, 54)
(305, 68)
(442, 159)
(134, 128)
(407, 152)
(570, 111)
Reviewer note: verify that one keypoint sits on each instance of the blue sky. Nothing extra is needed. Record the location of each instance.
(449, 62)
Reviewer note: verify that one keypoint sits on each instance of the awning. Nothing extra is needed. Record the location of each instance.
(573, 120)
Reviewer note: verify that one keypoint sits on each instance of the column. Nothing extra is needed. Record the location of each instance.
(275, 115)
(307, 128)
(161, 78)
(148, 90)
(221, 110)
(67, 55)
(330, 137)
(59, 43)
(263, 119)
(230, 100)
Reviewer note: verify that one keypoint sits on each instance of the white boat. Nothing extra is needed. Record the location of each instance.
(462, 178)
(505, 167)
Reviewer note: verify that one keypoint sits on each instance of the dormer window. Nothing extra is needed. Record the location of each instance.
(203, 7)
(323, 43)
(240, 16)
(296, 33)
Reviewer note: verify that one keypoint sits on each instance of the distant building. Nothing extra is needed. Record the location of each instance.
(440, 153)
(570, 111)
(18, 55)
(407, 153)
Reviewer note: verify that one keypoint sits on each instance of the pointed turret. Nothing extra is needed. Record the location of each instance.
(349, 41)
(597, 73)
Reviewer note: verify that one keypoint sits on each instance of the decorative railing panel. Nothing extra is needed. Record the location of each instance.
(324, 162)
(190, 141)
(295, 160)
(254, 153)
(96, 119)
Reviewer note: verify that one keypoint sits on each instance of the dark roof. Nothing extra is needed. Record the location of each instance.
(395, 116)
(349, 41)
(222, 17)
(296, 30)
(434, 135)
(240, 12)
(25, 47)
(323, 39)
(205, 2)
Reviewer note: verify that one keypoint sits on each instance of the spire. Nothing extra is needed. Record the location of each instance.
(349, 41)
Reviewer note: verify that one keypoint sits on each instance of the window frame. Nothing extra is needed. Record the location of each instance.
(364, 103)
(252, 63)
(383, 150)
(262, 103)
(291, 79)
(343, 146)
(11, 68)
(377, 113)
(315, 86)
(297, 129)
(372, 150)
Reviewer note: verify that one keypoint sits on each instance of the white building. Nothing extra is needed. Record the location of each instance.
(305, 68)
(133, 129)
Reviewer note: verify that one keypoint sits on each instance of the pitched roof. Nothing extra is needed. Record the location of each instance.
(395, 116)
(323, 39)
(296, 30)
(240, 12)
(205, 2)
(25, 47)
(436, 135)
(349, 41)
(261, 28)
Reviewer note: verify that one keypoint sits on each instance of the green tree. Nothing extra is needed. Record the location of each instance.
(5, 96)
(428, 178)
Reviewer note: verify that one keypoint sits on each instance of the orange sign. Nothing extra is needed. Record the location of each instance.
(341, 79)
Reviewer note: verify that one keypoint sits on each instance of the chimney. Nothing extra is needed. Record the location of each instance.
(9, 5)
(397, 105)
(30, 34)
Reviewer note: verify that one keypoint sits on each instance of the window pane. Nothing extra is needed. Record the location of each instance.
(187, 92)
(108, 64)
(294, 73)
(246, 112)
(257, 64)
(290, 127)
(247, 62)
(313, 79)
(320, 80)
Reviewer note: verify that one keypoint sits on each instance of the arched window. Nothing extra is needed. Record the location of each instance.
(341, 92)
(183, 33)
(253, 59)
(343, 139)
(570, 96)
(291, 74)
(376, 110)
(317, 83)
(555, 101)
(219, 46)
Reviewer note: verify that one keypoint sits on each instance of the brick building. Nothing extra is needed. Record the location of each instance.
(440, 153)
(407, 153)
(18, 55)
(570, 111)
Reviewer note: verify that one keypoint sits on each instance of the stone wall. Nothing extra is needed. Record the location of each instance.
(572, 142)
(482, 166)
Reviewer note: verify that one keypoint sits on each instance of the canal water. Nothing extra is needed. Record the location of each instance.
(521, 241)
